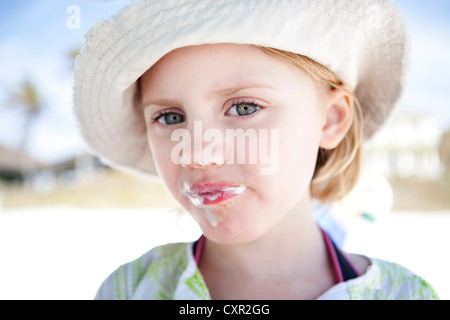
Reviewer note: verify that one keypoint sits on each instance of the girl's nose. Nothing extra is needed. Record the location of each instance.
(203, 158)
(207, 148)
(195, 165)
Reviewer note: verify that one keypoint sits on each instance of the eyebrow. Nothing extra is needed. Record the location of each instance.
(231, 91)
(222, 92)
(162, 102)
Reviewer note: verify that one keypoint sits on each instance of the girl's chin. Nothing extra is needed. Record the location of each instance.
(226, 237)
(229, 222)
(229, 230)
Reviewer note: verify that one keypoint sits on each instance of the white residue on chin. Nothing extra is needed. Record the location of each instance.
(212, 218)
(235, 190)
(198, 201)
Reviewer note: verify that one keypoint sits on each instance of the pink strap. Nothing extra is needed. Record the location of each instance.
(334, 259)
(198, 250)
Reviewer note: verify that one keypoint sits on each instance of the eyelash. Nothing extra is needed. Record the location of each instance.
(252, 103)
(161, 114)
(234, 104)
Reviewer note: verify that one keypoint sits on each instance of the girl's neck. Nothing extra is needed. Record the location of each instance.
(292, 252)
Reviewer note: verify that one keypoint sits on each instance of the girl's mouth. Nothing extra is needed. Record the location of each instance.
(209, 193)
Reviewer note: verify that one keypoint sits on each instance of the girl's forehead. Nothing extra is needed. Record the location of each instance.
(217, 64)
(222, 58)
(214, 51)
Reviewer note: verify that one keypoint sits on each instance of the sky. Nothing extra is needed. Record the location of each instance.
(35, 43)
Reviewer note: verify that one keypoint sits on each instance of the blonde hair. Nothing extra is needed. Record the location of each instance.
(337, 170)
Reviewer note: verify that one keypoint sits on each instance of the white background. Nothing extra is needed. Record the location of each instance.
(65, 253)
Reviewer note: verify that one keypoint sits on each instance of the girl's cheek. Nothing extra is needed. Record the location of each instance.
(167, 172)
(161, 150)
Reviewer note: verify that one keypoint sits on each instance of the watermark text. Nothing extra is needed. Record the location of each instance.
(236, 146)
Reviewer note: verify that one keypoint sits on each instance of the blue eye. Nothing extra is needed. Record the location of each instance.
(170, 118)
(243, 109)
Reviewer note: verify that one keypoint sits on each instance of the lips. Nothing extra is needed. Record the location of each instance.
(209, 193)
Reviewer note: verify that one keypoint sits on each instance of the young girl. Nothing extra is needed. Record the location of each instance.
(247, 110)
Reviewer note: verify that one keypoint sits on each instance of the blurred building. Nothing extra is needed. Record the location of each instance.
(21, 168)
(408, 146)
(14, 165)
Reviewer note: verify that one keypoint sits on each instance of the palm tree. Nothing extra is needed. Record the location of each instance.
(28, 98)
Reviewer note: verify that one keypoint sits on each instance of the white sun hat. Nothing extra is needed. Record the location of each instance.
(362, 41)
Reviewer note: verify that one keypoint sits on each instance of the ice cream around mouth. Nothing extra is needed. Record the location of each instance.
(202, 194)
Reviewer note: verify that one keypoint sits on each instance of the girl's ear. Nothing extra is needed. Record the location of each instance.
(338, 117)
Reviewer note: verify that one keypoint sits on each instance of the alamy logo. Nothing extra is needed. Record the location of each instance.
(236, 146)
(74, 19)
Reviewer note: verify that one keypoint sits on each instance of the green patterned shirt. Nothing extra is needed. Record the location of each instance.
(170, 272)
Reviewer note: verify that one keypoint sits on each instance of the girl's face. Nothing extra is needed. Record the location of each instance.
(233, 90)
